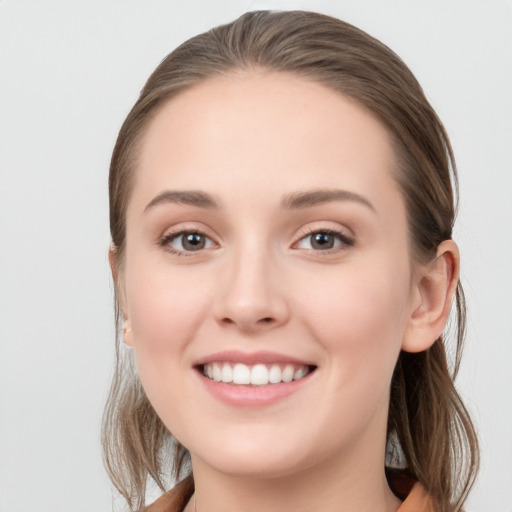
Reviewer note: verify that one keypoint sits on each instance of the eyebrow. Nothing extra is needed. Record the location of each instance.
(189, 197)
(298, 200)
(295, 200)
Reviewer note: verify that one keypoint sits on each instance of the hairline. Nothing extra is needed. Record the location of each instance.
(250, 68)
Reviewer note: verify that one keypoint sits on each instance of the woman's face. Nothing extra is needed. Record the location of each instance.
(267, 241)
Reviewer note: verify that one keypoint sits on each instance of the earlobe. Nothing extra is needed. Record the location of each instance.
(127, 332)
(114, 268)
(112, 261)
(432, 297)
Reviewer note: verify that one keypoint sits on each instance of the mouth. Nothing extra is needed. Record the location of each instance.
(257, 379)
(259, 374)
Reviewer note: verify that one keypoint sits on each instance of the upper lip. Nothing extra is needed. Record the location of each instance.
(250, 358)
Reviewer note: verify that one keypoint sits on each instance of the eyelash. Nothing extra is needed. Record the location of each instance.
(167, 239)
(344, 240)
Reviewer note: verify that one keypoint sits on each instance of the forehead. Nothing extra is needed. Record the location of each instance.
(253, 128)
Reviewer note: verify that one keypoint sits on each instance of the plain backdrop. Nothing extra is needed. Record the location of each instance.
(69, 72)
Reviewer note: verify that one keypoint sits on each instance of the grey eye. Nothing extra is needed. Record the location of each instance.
(193, 242)
(321, 241)
(188, 242)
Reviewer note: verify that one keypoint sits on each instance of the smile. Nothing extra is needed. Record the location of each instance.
(256, 375)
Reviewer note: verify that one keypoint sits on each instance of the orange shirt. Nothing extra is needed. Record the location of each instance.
(417, 501)
(176, 499)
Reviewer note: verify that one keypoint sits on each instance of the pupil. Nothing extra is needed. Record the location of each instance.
(193, 241)
(322, 241)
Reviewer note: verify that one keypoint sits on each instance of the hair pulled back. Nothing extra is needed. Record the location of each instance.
(430, 434)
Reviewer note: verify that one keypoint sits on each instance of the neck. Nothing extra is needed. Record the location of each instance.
(330, 488)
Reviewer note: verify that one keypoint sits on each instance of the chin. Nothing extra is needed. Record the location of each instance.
(257, 457)
(262, 467)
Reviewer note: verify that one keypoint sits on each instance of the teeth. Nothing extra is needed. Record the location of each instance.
(241, 374)
(227, 373)
(274, 375)
(288, 373)
(259, 375)
(300, 372)
(217, 373)
(256, 375)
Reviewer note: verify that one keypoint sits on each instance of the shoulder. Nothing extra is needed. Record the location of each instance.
(175, 499)
(414, 496)
(417, 501)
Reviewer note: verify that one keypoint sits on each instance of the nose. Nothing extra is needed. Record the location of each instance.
(252, 295)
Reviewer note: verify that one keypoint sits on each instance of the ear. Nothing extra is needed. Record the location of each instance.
(120, 294)
(432, 298)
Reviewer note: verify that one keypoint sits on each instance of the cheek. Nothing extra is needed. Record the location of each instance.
(360, 317)
(166, 308)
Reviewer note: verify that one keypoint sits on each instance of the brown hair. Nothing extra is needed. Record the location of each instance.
(430, 434)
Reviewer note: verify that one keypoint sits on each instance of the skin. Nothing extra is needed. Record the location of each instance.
(250, 140)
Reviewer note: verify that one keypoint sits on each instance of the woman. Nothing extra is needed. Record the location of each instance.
(281, 214)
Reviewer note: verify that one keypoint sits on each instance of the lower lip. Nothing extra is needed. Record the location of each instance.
(252, 396)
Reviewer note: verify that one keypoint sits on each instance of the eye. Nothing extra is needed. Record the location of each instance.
(187, 241)
(324, 240)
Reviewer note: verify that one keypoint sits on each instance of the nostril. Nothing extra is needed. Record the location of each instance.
(249, 324)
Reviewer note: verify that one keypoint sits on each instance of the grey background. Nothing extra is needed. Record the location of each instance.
(69, 72)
